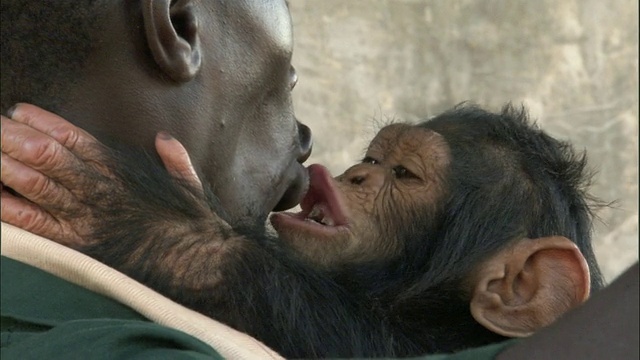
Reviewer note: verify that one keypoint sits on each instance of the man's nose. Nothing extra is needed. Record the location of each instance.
(306, 142)
(293, 78)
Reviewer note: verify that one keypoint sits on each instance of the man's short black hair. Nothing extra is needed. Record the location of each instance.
(43, 47)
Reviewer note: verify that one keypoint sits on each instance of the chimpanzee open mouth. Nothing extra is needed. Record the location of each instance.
(322, 207)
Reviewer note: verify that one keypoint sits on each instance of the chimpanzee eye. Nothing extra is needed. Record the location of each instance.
(401, 172)
(370, 160)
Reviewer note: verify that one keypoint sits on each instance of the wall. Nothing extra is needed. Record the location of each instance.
(573, 63)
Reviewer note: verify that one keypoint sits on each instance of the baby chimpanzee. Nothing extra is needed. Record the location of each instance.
(456, 232)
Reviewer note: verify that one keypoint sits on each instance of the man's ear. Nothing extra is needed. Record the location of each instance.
(529, 285)
(173, 36)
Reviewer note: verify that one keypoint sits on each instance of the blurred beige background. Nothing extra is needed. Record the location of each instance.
(573, 63)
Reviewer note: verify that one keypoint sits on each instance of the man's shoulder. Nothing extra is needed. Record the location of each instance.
(44, 316)
(30, 294)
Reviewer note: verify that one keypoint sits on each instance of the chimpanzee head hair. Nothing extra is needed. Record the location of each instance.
(43, 47)
(509, 180)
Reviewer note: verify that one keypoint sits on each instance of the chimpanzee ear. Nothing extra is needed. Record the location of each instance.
(173, 37)
(529, 285)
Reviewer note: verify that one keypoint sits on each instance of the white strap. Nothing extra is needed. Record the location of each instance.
(91, 274)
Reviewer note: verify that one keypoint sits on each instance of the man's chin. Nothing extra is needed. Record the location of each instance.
(248, 207)
(296, 190)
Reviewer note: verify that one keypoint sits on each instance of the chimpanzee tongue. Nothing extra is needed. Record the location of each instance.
(323, 193)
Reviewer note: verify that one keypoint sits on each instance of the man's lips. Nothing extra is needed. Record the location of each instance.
(294, 193)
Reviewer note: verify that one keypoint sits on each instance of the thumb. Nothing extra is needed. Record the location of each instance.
(176, 159)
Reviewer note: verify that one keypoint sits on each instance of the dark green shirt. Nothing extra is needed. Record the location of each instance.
(45, 317)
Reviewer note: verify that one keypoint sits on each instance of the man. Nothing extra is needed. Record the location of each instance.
(214, 74)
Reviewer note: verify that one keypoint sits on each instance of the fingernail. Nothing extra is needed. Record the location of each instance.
(165, 135)
(11, 110)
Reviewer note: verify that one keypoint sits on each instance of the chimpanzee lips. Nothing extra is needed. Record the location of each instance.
(322, 206)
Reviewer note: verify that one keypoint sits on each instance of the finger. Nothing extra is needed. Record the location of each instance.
(36, 187)
(28, 216)
(37, 150)
(176, 159)
(64, 132)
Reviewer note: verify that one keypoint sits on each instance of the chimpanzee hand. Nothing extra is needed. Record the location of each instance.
(61, 175)
(120, 206)
(43, 161)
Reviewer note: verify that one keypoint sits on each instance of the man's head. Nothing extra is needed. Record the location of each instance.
(215, 74)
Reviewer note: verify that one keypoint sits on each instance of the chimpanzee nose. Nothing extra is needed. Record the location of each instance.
(357, 180)
(306, 142)
(356, 175)
(362, 175)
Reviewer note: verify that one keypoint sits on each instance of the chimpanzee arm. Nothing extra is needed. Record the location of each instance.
(168, 236)
(123, 208)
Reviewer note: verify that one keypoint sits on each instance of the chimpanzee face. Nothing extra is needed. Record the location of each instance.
(359, 215)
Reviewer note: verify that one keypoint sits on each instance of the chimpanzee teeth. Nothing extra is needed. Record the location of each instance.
(328, 221)
(316, 213)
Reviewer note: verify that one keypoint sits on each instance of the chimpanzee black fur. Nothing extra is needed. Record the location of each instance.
(507, 180)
